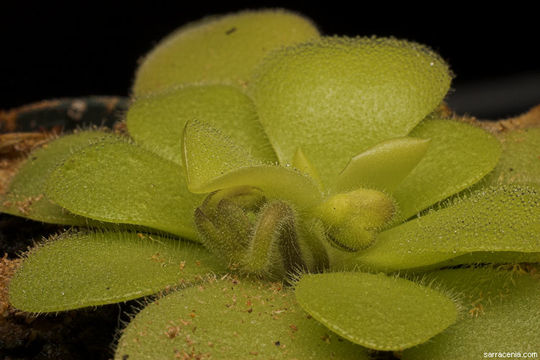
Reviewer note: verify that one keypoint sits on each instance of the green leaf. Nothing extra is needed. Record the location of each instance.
(302, 164)
(376, 311)
(222, 49)
(459, 155)
(81, 269)
(231, 319)
(208, 154)
(26, 194)
(337, 97)
(157, 121)
(520, 159)
(501, 315)
(497, 219)
(213, 162)
(384, 166)
(276, 182)
(120, 182)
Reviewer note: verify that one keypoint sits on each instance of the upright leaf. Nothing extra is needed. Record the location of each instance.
(459, 155)
(337, 97)
(384, 166)
(157, 121)
(213, 162)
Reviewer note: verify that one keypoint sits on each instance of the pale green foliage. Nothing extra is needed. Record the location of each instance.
(384, 166)
(465, 226)
(147, 189)
(502, 315)
(365, 85)
(220, 49)
(459, 155)
(101, 265)
(369, 177)
(376, 311)
(207, 154)
(230, 319)
(520, 160)
(157, 121)
(212, 162)
(26, 193)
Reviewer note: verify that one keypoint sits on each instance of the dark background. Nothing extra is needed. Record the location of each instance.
(58, 50)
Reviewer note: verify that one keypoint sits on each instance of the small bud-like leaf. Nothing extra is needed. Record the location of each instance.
(353, 218)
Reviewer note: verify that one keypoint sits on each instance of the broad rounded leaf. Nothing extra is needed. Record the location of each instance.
(221, 49)
(26, 193)
(384, 166)
(120, 182)
(376, 311)
(497, 219)
(520, 159)
(459, 155)
(95, 268)
(231, 319)
(502, 315)
(157, 121)
(337, 97)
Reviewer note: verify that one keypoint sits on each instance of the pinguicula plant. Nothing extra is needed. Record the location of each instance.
(286, 195)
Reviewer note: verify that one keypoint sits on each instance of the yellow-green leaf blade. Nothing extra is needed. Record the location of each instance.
(232, 320)
(383, 166)
(337, 97)
(87, 269)
(208, 154)
(222, 49)
(501, 316)
(157, 121)
(459, 155)
(520, 159)
(376, 311)
(26, 193)
(213, 162)
(276, 182)
(497, 219)
(120, 182)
